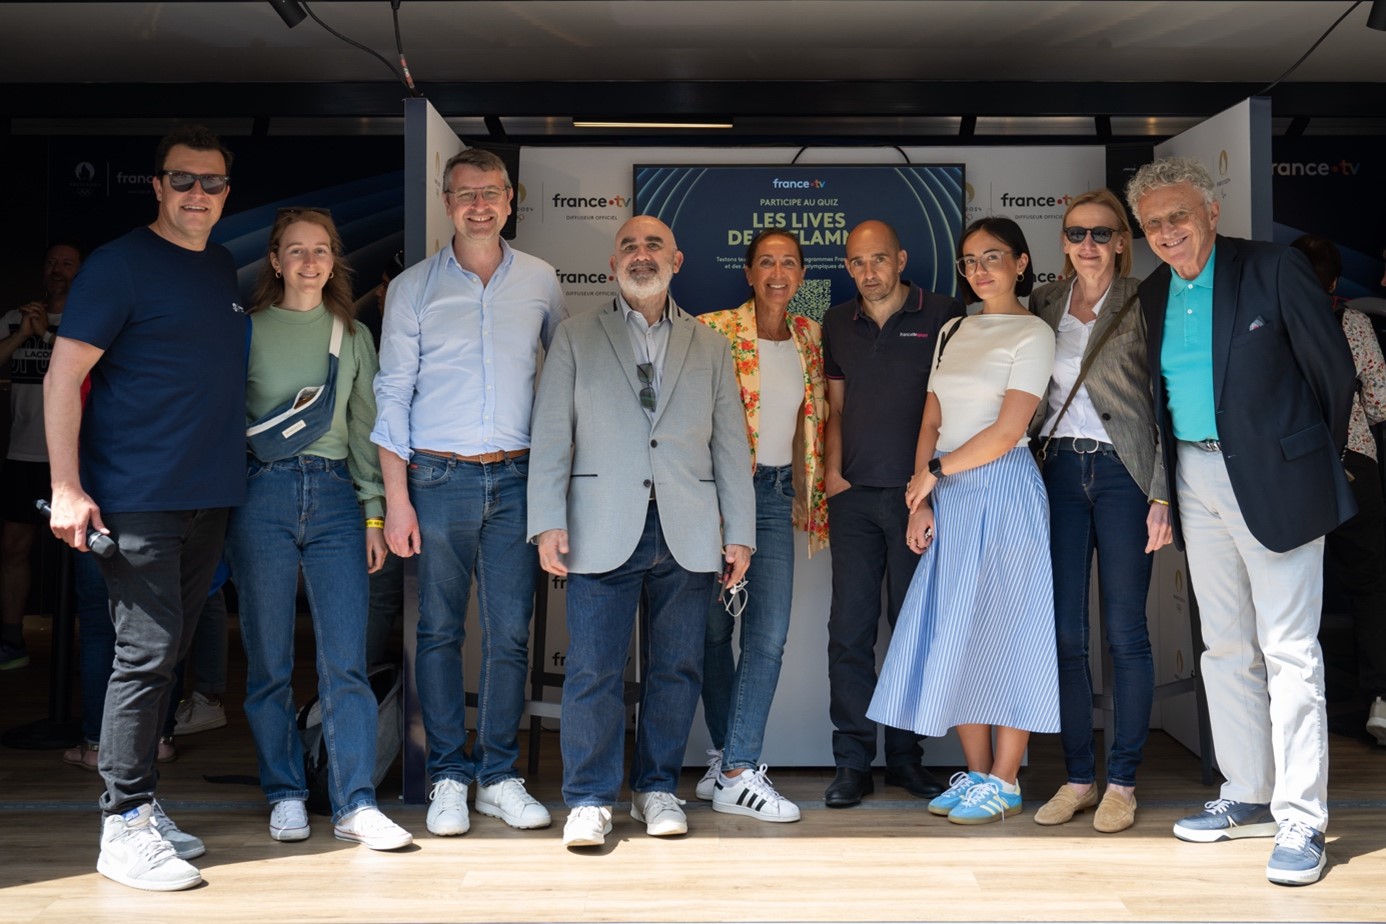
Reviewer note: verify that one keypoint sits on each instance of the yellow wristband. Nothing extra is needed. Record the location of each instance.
(375, 523)
(1156, 500)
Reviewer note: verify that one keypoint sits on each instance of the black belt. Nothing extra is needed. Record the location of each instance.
(1081, 444)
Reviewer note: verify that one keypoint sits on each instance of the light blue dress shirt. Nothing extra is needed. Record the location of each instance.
(1186, 355)
(458, 359)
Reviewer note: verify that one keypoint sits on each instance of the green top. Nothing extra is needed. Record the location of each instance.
(288, 351)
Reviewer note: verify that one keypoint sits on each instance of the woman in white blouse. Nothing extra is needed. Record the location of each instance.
(974, 645)
(1106, 492)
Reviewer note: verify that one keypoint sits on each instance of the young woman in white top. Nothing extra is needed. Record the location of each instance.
(974, 645)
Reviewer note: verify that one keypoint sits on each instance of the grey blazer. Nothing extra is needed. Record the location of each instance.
(1118, 381)
(594, 452)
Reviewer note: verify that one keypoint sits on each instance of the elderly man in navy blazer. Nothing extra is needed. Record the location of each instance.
(638, 483)
(1253, 382)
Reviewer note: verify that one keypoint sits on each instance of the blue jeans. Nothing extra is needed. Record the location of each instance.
(157, 583)
(303, 512)
(1094, 503)
(472, 518)
(737, 696)
(601, 616)
(867, 540)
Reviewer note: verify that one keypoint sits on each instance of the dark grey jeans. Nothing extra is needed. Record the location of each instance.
(157, 581)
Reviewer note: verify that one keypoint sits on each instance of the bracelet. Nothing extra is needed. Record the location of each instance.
(1156, 500)
(375, 523)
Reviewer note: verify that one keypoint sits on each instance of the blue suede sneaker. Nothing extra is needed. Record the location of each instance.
(1298, 857)
(1223, 819)
(958, 786)
(985, 802)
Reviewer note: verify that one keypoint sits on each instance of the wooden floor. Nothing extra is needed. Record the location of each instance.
(887, 860)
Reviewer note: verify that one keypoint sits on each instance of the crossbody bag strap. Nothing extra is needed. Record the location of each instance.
(1083, 371)
(944, 337)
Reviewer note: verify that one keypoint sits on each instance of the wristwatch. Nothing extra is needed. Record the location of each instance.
(936, 467)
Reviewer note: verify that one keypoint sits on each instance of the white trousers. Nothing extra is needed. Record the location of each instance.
(1263, 669)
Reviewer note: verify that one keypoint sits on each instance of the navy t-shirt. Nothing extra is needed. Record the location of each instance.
(886, 378)
(164, 425)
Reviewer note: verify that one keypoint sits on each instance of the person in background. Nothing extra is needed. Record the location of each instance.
(779, 365)
(974, 647)
(318, 510)
(26, 343)
(1355, 552)
(1106, 493)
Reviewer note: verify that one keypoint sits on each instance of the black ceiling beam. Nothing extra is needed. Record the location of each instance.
(821, 99)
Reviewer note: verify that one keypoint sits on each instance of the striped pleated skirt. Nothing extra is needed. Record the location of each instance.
(974, 642)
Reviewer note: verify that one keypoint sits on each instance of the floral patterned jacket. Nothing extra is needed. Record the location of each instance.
(738, 325)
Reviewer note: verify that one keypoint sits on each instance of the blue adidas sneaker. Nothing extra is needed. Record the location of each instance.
(958, 786)
(986, 802)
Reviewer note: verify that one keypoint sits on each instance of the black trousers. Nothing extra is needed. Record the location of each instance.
(1355, 561)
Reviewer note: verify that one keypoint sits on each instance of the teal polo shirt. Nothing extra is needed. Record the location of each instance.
(1186, 356)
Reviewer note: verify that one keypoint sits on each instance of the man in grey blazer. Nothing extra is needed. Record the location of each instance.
(639, 483)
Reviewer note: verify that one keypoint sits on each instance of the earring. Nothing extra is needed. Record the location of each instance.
(330, 275)
(1019, 276)
(278, 275)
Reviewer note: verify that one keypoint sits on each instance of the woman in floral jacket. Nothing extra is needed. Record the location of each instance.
(779, 366)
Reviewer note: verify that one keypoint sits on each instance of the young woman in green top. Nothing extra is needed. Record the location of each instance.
(319, 510)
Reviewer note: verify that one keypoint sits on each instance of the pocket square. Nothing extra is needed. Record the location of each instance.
(1257, 324)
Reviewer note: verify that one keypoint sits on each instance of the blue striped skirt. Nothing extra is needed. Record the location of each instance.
(975, 639)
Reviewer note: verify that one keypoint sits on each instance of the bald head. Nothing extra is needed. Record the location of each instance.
(875, 262)
(646, 258)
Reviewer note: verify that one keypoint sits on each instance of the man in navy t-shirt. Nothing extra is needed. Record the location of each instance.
(153, 460)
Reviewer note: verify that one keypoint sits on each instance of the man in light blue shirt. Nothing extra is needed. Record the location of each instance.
(459, 347)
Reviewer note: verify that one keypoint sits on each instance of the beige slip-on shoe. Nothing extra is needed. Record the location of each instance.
(1065, 804)
(1116, 813)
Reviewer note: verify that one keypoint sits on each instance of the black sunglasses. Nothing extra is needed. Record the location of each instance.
(647, 394)
(1100, 235)
(213, 184)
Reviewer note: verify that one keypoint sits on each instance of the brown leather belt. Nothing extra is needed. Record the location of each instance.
(486, 458)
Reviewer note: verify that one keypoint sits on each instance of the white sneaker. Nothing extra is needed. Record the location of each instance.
(184, 844)
(134, 854)
(289, 821)
(196, 714)
(1376, 721)
(370, 827)
(447, 810)
(660, 813)
(587, 826)
(508, 801)
(708, 783)
(750, 793)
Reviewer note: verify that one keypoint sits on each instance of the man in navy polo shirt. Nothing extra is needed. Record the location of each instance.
(153, 460)
(878, 350)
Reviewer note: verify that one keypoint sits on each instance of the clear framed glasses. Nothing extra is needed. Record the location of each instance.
(1174, 220)
(990, 261)
(735, 598)
(647, 393)
(466, 195)
(213, 184)
(1100, 234)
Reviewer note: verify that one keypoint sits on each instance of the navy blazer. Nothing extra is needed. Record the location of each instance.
(1282, 390)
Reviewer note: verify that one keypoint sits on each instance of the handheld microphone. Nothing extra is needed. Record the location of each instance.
(101, 545)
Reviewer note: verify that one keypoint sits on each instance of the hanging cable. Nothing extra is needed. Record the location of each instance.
(1311, 49)
(355, 44)
(399, 47)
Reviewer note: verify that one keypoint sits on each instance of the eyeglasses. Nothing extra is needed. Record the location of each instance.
(736, 598)
(647, 392)
(988, 261)
(466, 195)
(213, 184)
(1173, 219)
(1100, 235)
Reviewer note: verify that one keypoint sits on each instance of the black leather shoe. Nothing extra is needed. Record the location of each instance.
(847, 788)
(915, 780)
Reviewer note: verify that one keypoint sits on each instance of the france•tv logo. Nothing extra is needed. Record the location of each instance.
(779, 183)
